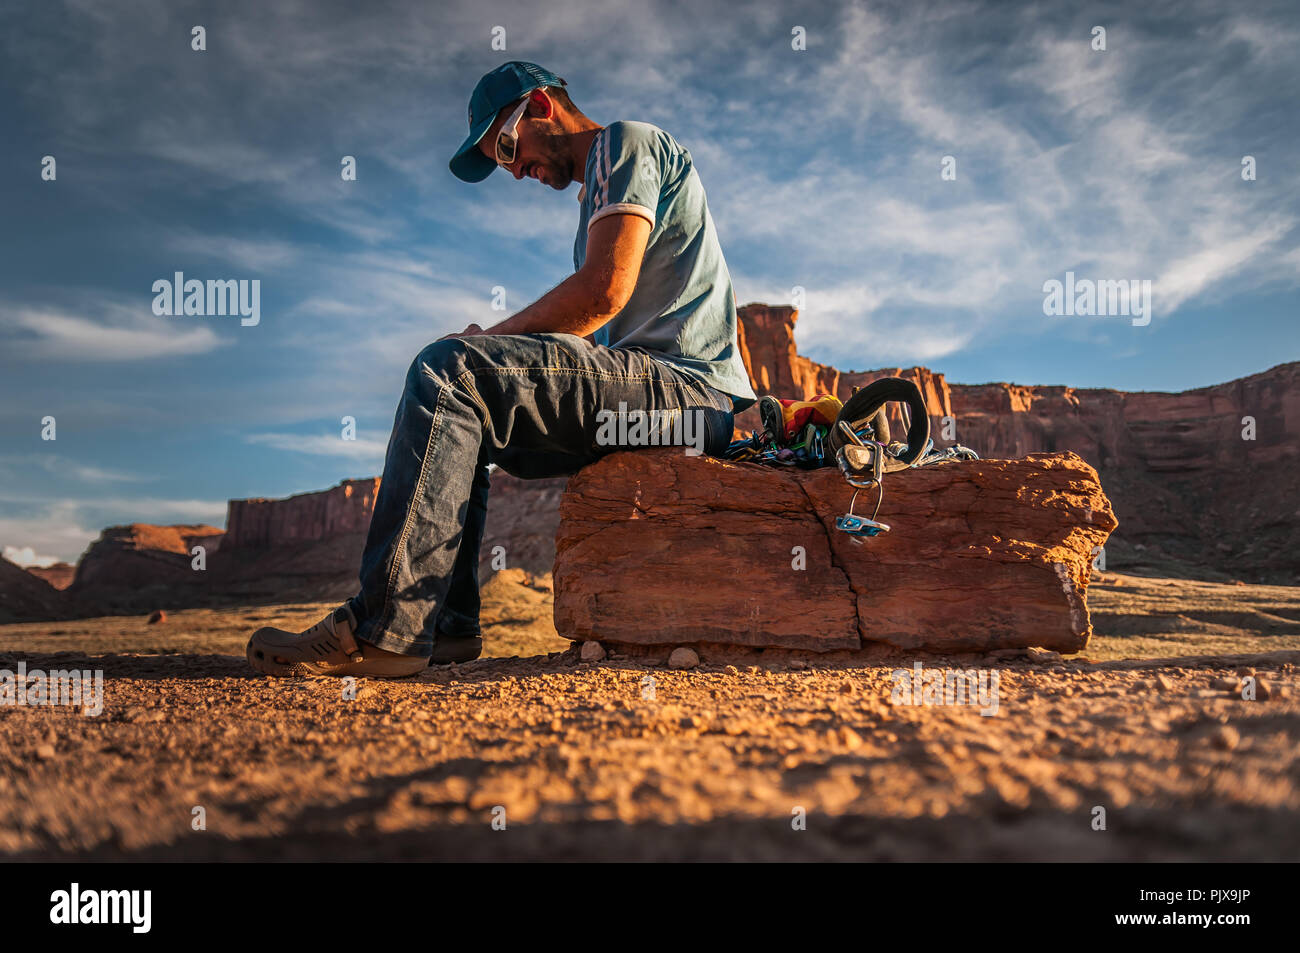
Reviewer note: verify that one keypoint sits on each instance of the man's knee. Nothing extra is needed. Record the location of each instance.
(441, 359)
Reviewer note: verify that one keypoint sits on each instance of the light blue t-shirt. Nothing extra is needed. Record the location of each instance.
(683, 308)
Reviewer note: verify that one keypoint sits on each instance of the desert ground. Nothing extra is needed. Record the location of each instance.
(533, 753)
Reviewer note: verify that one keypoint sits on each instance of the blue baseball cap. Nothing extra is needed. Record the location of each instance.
(506, 84)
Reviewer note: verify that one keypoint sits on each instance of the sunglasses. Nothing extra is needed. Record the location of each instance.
(507, 140)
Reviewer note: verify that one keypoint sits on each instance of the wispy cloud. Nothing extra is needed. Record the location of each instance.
(370, 449)
(1064, 161)
(14, 465)
(26, 556)
(247, 254)
(1224, 250)
(115, 333)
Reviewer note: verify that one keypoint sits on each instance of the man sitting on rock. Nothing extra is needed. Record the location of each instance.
(646, 323)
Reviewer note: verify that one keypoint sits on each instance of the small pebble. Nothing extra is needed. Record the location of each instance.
(683, 658)
(1225, 737)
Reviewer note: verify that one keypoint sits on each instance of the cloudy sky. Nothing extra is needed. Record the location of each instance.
(822, 167)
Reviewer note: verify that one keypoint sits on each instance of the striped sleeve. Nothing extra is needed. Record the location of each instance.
(628, 173)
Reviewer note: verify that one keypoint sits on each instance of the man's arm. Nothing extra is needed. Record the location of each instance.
(594, 294)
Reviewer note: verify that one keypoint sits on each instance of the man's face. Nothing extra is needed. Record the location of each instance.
(541, 153)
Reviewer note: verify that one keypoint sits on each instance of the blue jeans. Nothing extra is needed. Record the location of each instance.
(536, 405)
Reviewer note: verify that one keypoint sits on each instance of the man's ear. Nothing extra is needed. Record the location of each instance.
(540, 106)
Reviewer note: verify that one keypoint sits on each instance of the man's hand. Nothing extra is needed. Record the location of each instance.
(470, 331)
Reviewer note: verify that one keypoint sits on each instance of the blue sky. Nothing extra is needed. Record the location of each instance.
(822, 169)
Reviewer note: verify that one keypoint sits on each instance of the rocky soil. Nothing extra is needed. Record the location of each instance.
(619, 758)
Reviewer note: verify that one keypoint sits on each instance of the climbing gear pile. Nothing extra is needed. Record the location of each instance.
(854, 436)
(794, 432)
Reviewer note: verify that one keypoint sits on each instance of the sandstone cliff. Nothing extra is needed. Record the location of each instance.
(58, 575)
(522, 516)
(302, 548)
(339, 511)
(766, 337)
(26, 597)
(140, 564)
(141, 554)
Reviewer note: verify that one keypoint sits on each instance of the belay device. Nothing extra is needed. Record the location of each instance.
(803, 433)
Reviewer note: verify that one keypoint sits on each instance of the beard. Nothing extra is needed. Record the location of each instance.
(553, 158)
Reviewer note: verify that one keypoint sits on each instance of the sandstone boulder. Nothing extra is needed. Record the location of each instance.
(657, 548)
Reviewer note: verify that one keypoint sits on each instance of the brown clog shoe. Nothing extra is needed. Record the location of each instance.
(327, 648)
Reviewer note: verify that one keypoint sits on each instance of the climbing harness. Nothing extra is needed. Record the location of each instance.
(857, 440)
